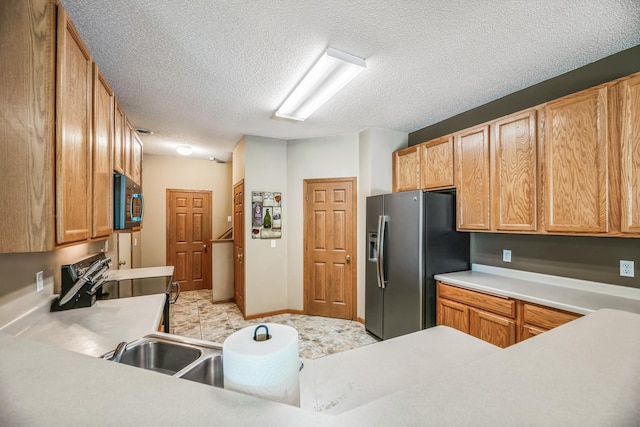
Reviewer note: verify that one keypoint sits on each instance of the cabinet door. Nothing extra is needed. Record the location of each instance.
(630, 148)
(530, 331)
(513, 173)
(472, 160)
(136, 158)
(118, 139)
(27, 67)
(575, 163)
(102, 169)
(492, 328)
(453, 314)
(406, 169)
(436, 163)
(126, 149)
(73, 134)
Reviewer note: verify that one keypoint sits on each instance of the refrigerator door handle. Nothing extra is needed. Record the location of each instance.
(382, 226)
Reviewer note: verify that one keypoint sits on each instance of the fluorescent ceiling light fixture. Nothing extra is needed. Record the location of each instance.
(331, 73)
(185, 150)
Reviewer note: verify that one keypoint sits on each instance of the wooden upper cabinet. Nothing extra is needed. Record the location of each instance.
(472, 164)
(127, 135)
(73, 134)
(630, 154)
(102, 156)
(575, 163)
(436, 163)
(136, 158)
(406, 169)
(27, 110)
(514, 173)
(118, 139)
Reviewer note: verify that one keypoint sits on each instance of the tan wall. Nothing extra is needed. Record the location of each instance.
(162, 172)
(266, 266)
(331, 157)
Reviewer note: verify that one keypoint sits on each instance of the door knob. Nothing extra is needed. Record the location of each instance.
(122, 262)
(348, 258)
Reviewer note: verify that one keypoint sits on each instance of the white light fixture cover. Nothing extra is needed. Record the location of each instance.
(184, 150)
(331, 73)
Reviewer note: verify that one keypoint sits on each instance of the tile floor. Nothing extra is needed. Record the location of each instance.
(196, 316)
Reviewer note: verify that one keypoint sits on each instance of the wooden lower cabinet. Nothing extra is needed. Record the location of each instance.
(492, 328)
(537, 319)
(498, 320)
(453, 314)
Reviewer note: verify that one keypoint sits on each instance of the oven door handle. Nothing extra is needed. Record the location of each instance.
(177, 286)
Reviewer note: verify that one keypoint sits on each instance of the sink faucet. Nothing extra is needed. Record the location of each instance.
(119, 351)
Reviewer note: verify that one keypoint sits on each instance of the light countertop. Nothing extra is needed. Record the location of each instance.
(576, 296)
(585, 373)
(92, 330)
(140, 273)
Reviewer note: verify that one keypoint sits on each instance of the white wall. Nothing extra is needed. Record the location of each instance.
(265, 267)
(375, 148)
(330, 157)
(162, 172)
(274, 276)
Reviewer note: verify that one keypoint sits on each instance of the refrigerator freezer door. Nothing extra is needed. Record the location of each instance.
(373, 292)
(404, 255)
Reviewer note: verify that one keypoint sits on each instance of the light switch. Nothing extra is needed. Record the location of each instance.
(273, 243)
(39, 281)
(229, 218)
(506, 255)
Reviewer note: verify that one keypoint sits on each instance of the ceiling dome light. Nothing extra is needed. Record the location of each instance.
(184, 150)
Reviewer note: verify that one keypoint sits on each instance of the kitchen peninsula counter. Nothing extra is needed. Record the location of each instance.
(585, 373)
(93, 330)
(573, 295)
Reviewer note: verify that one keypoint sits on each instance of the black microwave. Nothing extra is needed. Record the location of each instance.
(128, 203)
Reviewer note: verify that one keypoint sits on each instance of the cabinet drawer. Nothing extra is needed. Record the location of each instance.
(544, 317)
(504, 306)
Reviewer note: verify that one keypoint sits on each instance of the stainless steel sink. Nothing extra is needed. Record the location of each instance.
(160, 356)
(208, 371)
(181, 357)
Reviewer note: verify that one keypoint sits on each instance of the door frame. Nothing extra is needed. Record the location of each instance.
(209, 262)
(306, 270)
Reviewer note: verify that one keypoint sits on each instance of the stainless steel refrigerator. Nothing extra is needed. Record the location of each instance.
(411, 236)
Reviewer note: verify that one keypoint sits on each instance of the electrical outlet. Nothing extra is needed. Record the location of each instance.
(506, 255)
(273, 243)
(626, 268)
(39, 281)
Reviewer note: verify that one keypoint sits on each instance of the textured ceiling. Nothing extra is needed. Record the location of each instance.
(205, 72)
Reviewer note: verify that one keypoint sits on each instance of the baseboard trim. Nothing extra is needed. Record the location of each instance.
(273, 313)
(224, 301)
(361, 320)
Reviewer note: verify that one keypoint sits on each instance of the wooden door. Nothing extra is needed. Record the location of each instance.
(472, 160)
(492, 328)
(102, 154)
(189, 237)
(630, 147)
(406, 169)
(330, 247)
(436, 163)
(238, 245)
(575, 163)
(73, 134)
(453, 314)
(118, 139)
(513, 173)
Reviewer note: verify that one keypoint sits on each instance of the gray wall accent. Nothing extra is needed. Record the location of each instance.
(588, 258)
(610, 68)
